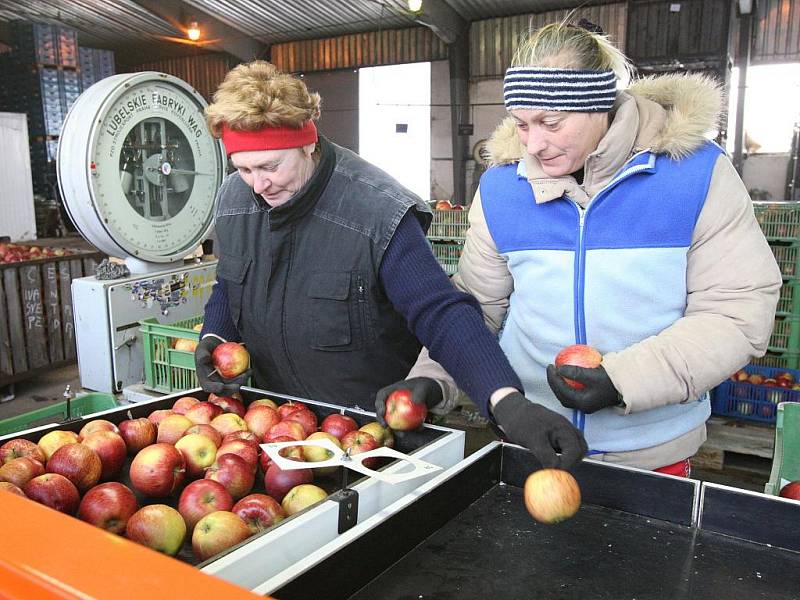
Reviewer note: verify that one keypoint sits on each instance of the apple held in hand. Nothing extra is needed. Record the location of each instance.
(108, 506)
(230, 359)
(259, 512)
(552, 495)
(402, 413)
(55, 491)
(138, 434)
(17, 448)
(578, 355)
(78, 463)
(217, 532)
(791, 490)
(202, 497)
(158, 470)
(302, 496)
(159, 527)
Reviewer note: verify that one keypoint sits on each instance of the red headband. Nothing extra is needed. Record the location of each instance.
(268, 138)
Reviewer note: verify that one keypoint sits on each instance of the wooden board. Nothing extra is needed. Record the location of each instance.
(34, 319)
(6, 368)
(15, 320)
(53, 311)
(733, 435)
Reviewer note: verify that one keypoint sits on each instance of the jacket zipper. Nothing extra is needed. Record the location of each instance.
(362, 306)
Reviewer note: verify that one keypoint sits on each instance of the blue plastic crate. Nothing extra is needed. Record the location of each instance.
(753, 402)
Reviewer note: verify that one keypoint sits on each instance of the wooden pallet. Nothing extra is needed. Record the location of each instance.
(732, 435)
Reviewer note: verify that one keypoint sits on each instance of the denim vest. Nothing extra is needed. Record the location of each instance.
(303, 280)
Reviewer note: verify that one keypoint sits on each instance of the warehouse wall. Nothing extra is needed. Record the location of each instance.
(766, 172)
(203, 72)
(339, 92)
(441, 141)
(777, 32)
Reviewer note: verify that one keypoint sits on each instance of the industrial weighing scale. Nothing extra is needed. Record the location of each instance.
(138, 172)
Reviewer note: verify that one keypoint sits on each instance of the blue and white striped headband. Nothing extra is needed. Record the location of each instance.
(541, 88)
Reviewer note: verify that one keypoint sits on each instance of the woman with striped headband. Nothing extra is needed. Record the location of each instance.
(608, 219)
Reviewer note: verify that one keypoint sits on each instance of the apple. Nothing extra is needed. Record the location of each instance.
(97, 425)
(247, 450)
(199, 453)
(230, 359)
(264, 402)
(206, 430)
(319, 454)
(21, 470)
(740, 375)
(184, 403)
(784, 383)
(290, 452)
(770, 381)
(52, 441)
(108, 506)
(111, 449)
(17, 448)
(551, 495)
(158, 470)
(260, 418)
(172, 428)
(55, 491)
(203, 413)
(785, 375)
(443, 205)
(159, 527)
(338, 425)
(402, 413)
(159, 415)
(306, 418)
(138, 434)
(291, 429)
(360, 441)
(383, 435)
(228, 422)
(284, 410)
(78, 463)
(302, 496)
(203, 497)
(5, 486)
(791, 490)
(185, 345)
(217, 532)
(755, 379)
(259, 512)
(228, 404)
(278, 482)
(233, 472)
(579, 355)
(247, 436)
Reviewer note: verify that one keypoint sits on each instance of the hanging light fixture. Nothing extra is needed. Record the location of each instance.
(193, 32)
(415, 5)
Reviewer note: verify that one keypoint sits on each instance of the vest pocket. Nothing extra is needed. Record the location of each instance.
(330, 305)
(233, 270)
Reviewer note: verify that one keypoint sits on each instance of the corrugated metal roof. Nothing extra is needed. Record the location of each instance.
(474, 10)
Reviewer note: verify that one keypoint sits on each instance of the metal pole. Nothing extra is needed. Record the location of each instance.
(743, 62)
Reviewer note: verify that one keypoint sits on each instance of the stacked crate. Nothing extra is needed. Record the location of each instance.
(95, 64)
(446, 235)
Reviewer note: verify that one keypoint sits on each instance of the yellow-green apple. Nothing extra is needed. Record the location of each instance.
(402, 413)
(259, 512)
(740, 375)
(291, 429)
(278, 482)
(230, 359)
(288, 408)
(5, 486)
(52, 441)
(203, 497)
(302, 496)
(338, 425)
(358, 442)
(551, 495)
(111, 449)
(55, 491)
(159, 527)
(260, 418)
(186, 345)
(383, 435)
(198, 327)
(247, 436)
(228, 422)
(264, 402)
(184, 403)
(306, 418)
(203, 413)
(199, 453)
(579, 355)
(97, 425)
(247, 450)
(78, 463)
(228, 404)
(158, 470)
(159, 415)
(217, 532)
(108, 506)
(206, 430)
(17, 448)
(138, 434)
(172, 428)
(755, 379)
(233, 472)
(21, 470)
(318, 453)
(290, 452)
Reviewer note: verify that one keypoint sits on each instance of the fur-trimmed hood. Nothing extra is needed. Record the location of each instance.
(676, 112)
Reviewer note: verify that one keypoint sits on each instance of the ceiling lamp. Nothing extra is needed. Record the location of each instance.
(193, 33)
(415, 5)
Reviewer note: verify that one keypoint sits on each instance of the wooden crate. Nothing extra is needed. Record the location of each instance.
(37, 330)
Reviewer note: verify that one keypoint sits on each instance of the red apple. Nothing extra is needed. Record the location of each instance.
(260, 418)
(228, 422)
(199, 453)
(443, 205)
(138, 434)
(290, 452)
(791, 490)
(52, 441)
(284, 410)
(78, 463)
(17, 448)
(291, 429)
(784, 383)
(402, 413)
(97, 425)
(203, 497)
(358, 442)
(108, 506)
(383, 435)
(264, 402)
(233, 472)
(551, 495)
(247, 450)
(159, 527)
(302, 496)
(278, 482)
(740, 375)
(259, 512)
(755, 379)
(306, 418)
(159, 415)
(206, 430)
(158, 470)
(230, 359)
(184, 403)
(785, 375)
(111, 449)
(21, 470)
(229, 404)
(579, 355)
(203, 413)
(338, 425)
(5, 486)
(247, 436)
(172, 428)
(55, 491)
(217, 532)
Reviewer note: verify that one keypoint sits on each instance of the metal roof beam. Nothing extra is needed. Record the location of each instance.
(440, 17)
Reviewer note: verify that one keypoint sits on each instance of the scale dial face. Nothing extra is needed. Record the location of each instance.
(137, 167)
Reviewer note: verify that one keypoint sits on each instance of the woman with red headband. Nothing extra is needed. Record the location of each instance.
(325, 272)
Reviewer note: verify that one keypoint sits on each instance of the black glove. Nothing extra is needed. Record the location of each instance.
(551, 438)
(598, 391)
(424, 390)
(207, 377)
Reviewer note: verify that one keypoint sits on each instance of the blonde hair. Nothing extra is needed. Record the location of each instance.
(256, 95)
(568, 46)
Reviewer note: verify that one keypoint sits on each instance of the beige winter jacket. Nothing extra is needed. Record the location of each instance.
(733, 281)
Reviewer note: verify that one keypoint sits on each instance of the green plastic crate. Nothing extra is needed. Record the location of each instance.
(81, 406)
(785, 335)
(165, 368)
(778, 220)
(786, 459)
(786, 257)
(449, 225)
(782, 360)
(447, 255)
(789, 301)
